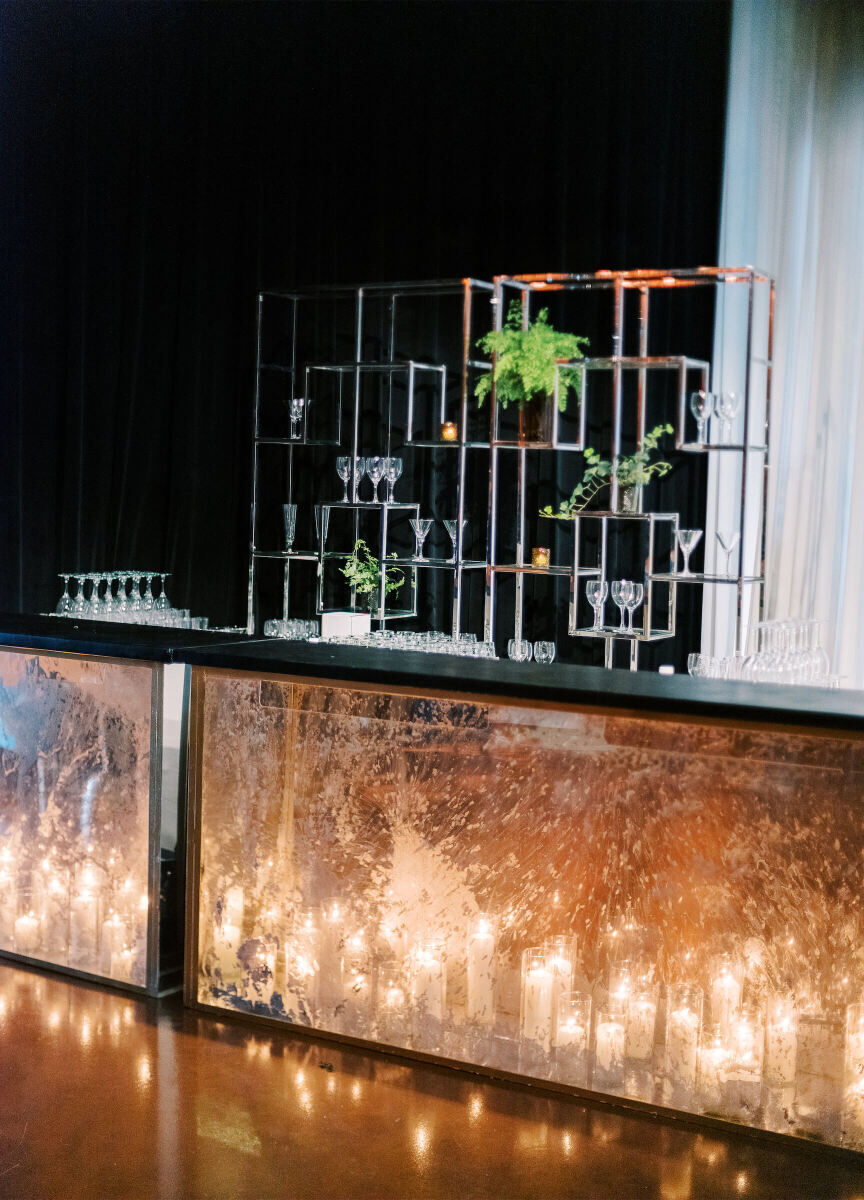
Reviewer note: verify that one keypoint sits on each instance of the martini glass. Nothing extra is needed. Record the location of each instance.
(452, 528)
(421, 526)
(688, 539)
(728, 540)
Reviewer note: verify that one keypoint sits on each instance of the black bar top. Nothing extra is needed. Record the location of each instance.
(559, 683)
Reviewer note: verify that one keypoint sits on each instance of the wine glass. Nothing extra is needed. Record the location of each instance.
(597, 590)
(688, 539)
(79, 604)
(289, 522)
(728, 540)
(726, 405)
(343, 470)
(110, 602)
(621, 592)
(64, 604)
(149, 602)
(93, 608)
(375, 471)
(358, 471)
(544, 652)
(519, 650)
(137, 604)
(701, 406)
(392, 472)
(637, 595)
(297, 405)
(162, 603)
(452, 528)
(421, 526)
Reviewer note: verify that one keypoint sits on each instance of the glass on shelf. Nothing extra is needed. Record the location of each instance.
(597, 590)
(421, 527)
(392, 473)
(637, 594)
(289, 523)
(701, 406)
(726, 406)
(297, 406)
(452, 528)
(622, 593)
(688, 539)
(343, 470)
(64, 604)
(358, 470)
(375, 472)
(728, 540)
(322, 522)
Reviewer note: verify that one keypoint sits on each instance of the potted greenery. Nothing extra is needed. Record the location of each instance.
(524, 370)
(363, 571)
(632, 472)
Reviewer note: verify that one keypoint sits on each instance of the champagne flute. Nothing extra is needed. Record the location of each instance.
(688, 539)
(289, 522)
(728, 540)
(343, 470)
(597, 590)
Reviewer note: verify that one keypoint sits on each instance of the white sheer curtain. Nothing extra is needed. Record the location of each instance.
(793, 205)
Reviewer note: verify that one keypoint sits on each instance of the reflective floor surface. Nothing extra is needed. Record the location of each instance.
(102, 1095)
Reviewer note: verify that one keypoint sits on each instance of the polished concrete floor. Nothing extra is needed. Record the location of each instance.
(106, 1096)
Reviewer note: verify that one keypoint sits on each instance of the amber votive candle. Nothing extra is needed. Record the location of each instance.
(540, 556)
(449, 432)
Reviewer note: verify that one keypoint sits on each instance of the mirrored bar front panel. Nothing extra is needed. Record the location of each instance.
(80, 789)
(657, 908)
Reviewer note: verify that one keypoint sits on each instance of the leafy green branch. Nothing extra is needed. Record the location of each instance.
(630, 470)
(526, 360)
(363, 572)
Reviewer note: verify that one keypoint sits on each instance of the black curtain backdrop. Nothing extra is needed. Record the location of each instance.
(159, 163)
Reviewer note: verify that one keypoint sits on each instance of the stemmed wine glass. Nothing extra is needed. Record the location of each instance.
(421, 526)
(358, 471)
(392, 472)
(95, 579)
(728, 540)
(79, 604)
(162, 603)
(452, 528)
(110, 602)
(597, 590)
(701, 405)
(375, 471)
(137, 604)
(297, 406)
(343, 470)
(622, 590)
(688, 539)
(289, 522)
(64, 604)
(149, 603)
(637, 595)
(726, 405)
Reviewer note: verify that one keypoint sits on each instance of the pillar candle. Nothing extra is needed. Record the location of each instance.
(640, 1024)
(725, 994)
(83, 929)
(481, 972)
(55, 916)
(781, 1043)
(427, 990)
(537, 985)
(115, 936)
(27, 933)
(682, 1042)
(610, 1042)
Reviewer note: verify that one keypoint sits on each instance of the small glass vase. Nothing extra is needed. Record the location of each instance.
(535, 419)
(629, 499)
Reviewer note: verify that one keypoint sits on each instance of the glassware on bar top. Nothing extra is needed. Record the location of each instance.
(688, 539)
(452, 528)
(375, 472)
(343, 470)
(392, 473)
(519, 650)
(64, 604)
(728, 540)
(701, 406)
(597, 590)
(544, 652)
(726, 405)
(421, 527)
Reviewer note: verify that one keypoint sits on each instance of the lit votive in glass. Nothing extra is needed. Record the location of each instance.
(641, 1023)
(560, 960)
(610, 1045)
(683, 1024)
(725, 991)
(536, 1007)
(480, 963)
(572, 1032)
(540, 556)
(27, 933)
(781, 1043)
(449, 432)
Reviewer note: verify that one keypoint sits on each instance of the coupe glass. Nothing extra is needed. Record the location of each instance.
(622, 589)
(64, 604)
(544, 652)
(421, 526)
(358, 471)
(163, 604)
(728, 540)
(392, 473)
(289, 523)
(519, 650)
(297, 406)
(701, 406)
(452, 528)
(688, 539)
(726, 405)
(637, 595)
(375, 471)
(597, 590)
(343, 470)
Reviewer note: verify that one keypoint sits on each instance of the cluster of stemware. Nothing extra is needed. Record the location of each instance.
(521, 651)
(465, 645)
(421, 527)
(787, 652)
(293, 629)
(375, 468)
(626, 595)
(722, 405)
(122, 599)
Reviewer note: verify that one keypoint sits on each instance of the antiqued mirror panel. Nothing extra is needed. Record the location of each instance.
(661, 909)
(74, 812)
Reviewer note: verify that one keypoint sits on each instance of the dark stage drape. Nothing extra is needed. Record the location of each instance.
(159, 163)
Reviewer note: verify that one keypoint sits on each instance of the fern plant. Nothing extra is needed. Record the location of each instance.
(363, 572)
(525, 360)
(630, 470)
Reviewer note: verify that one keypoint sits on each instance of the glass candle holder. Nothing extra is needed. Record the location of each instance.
(535, 1011)
(573, 1028)
(726, 980)
(609, 1046)
(480, 964)
(683, 1029)
(449, 432)
(540, 556)
(640, 1025)
(428, 978)
(560, 953)
(28, 927)
(781, 1041)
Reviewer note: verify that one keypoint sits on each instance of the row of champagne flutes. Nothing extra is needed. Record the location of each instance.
(784, 651)
(375, 468)
(122, 599)
(722, 405)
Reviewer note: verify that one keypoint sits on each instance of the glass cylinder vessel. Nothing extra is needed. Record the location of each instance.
(536, 417)
(573, 1030)
(683, 1030)
(535, 1013)
(480, 970)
